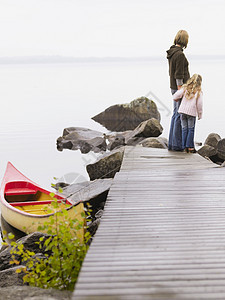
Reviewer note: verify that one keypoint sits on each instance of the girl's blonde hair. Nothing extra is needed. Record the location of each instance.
(181, 38)
(193, 86)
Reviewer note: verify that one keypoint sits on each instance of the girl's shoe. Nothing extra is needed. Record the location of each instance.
(186, 150)
(192, 150)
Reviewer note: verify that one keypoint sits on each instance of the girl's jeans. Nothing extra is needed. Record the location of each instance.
(188, 130)
(175, 135)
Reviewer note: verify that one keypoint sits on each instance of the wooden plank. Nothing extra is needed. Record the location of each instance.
(157, 296)
(151, 291)
(162, 234)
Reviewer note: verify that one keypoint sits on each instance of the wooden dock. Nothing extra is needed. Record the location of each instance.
(162, 235)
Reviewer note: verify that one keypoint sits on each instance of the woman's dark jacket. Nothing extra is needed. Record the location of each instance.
(178, 66)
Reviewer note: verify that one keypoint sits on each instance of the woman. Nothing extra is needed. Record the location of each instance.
(179, 74)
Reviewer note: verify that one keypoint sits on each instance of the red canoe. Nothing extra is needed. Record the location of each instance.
(25, 205)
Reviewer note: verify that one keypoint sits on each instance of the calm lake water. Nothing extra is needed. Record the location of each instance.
(38, 101)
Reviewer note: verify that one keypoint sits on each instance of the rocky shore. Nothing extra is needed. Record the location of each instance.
(140, 120)
(136, 123)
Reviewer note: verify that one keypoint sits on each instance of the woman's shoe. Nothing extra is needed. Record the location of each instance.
(192, 150)
(186, 150)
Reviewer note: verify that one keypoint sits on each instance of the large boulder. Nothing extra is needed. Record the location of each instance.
(148, 128)
(214, 148)
(121, 117)
(84, 139)
(207, 151)
(107, 165)
(212, 140)
(221, 149)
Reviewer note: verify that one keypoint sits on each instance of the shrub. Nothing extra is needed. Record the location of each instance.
(63, 253)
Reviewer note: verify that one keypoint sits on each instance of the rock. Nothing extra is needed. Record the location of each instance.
(61, 144)
(210, 149)
(97, 144)
(83, 146)
(127, 136)
(148, 128)
(164, 140)
(153, 142)
(99, 214)
(221, 149)
(106, 166)
(9, 277)
(5, 258)
(123, 117)
(6, 228)
(29, 242)
(118, 141)
(207, 151)
(33, 293)
(83, 139)
(211, 153)
(83, 132)
(92, 228)
(60, 185)
(212, 140)
(135, 141)
(216, 159)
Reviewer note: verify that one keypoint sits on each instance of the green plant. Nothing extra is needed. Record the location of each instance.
(63, 253)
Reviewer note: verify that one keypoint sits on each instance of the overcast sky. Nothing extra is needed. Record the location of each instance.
(126, 28)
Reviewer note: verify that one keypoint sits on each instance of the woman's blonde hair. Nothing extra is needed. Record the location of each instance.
(181, 38)
(193, 86)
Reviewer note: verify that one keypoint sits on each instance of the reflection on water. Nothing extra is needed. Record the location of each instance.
(6, 228)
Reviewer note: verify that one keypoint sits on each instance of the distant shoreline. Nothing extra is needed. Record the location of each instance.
(57, 59)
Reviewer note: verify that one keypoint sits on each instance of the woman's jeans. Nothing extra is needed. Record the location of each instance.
(175, 135)
(188, 130)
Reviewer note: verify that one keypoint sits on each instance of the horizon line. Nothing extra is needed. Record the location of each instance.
(29, 59)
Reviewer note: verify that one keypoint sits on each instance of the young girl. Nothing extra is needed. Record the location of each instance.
(190, 108)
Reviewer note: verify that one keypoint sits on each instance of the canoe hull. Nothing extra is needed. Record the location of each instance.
(28, 220)
(30, 223)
